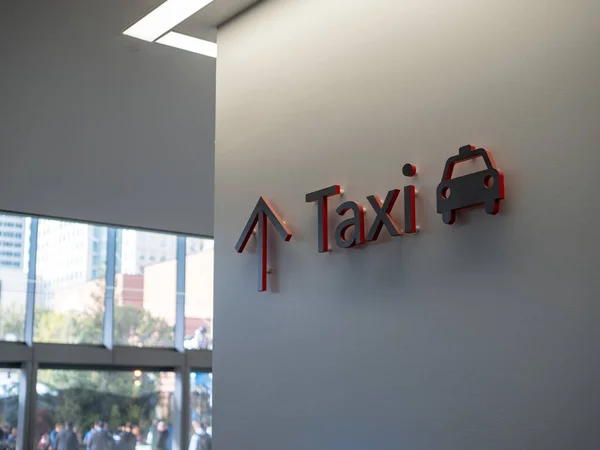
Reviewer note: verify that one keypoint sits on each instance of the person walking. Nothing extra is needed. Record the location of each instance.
(44, 443)
(13, 435)
(54, 434)
(152, 435)
(137, 433)
(100, 438)
(127, 440)
(88, 435)
(161, 441)
(201, 440)
(67, 439)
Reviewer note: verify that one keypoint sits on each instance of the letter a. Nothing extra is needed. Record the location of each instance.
(358, 222)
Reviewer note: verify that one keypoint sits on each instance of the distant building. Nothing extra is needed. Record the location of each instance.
(139, 249)
(12, 241)
(70, 253)
(13, 286)
(160, 291)
(71, 260)
(129, 291)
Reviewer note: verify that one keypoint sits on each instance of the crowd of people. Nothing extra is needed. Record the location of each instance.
(98, 437)
(128, 437)
(8, 437)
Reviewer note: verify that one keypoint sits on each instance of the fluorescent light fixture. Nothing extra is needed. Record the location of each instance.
(164, 18)
(189, 43)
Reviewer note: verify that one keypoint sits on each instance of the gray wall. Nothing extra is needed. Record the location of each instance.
(98, 126)
(480, 335)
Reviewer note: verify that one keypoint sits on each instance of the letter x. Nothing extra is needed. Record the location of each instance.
(383, 215)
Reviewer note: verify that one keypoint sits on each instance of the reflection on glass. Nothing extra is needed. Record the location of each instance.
(199, 266)
(9, 406)
(145, 289)
(134, 407)
(200, 410)
(71, 269)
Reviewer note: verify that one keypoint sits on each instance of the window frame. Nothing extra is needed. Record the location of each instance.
(29, 356)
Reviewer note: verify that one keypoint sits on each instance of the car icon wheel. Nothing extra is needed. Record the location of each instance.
(448, 217)
(492, 207)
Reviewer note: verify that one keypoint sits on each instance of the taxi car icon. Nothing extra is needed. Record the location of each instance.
(485, 187)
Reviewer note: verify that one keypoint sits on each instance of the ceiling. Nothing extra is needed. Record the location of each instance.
(202, 25)
(102, 127)
(211, 16)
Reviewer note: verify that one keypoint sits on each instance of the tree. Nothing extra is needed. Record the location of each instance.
(86, 396)
(68, 409)
(133, 326)
(134, 413)
(12, 320)
(136, 327)
(114, 421)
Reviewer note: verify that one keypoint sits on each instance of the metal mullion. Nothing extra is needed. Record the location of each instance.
(109, 295)
(144, 357)
(99, 357)
(180, 287)
(181, 408)
(71, 354)
(200, 360)
(14, 352)
(31, 282)
(27, 405)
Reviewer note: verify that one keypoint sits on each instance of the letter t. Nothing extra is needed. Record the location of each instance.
(320, 197)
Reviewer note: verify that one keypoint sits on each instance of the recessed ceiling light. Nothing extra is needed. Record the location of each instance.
(164, 18)
(191, 44)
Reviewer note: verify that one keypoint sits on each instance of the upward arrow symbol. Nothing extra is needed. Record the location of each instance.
(262, 211)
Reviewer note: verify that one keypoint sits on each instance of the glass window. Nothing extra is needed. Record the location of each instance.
(145, 293)
(117, 398)
(69, 304)
(200, 406)
(9, 406)
(14, 280)
(199, 266)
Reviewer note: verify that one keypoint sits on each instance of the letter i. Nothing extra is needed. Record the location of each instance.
(410, 210)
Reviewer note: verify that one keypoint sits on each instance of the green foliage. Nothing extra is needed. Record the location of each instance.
(133, 326)
(68, 409)
(12, 319)
(134, 413)
(137, 327)
(88, 396)
(51, 327)
(115, 420)
(9, 409)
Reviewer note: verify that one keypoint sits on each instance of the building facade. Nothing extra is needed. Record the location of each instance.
(12, 241)
(70, 253)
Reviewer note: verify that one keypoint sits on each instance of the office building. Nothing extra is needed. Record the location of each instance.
(12, 241)
(70, 253)
(139, 249)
